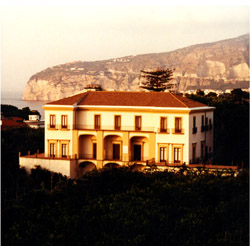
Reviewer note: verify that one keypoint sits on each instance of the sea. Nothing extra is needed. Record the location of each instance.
(15, 99)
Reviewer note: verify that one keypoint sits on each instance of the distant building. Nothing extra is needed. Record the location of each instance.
(34, 121)
(100, 128)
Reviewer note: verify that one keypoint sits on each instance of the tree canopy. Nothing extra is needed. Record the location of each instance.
(10, 111)
(157, 80)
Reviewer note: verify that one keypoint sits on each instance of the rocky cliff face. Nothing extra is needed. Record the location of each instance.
(218, 65)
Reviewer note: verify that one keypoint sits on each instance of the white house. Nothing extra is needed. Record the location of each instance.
(96, 128)
(34, 121)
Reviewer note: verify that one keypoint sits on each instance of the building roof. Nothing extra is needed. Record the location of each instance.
(124, 98)
(8, 122)
(17, 119)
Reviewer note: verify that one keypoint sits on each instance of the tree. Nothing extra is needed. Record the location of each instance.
(238, 95)
(211, 94)
(10, 111)
(157, 80)
(200, 92)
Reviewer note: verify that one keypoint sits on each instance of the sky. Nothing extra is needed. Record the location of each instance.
(35, 35)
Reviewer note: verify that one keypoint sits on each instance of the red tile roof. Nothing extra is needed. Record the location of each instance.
(17, 119)
(124, 98)
(8, 122)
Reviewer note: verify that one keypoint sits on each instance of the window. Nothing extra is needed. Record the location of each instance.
(210, 124)
(97, 121)
(202, 149)
(194, 121)
(163, 154)
(163, 126)
(52, 121)
(206, 121)
(117, 122)
(206, 152)
(137, 122)
(177, 155)
(52, 150)
(64, 150)
(178, 125)
(94, 150)
(202, 123)
(194, 125)
(194, 152)
(64, 121)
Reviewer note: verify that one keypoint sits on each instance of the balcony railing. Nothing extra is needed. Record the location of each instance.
(204, 128)
(115, 128)
(194, 130)
(142, 158)
(195, 161)
(58, 127)
(87, 156)
(178, 131)
(50, 156)
(113, 158)
(51, 127)
(163, 130)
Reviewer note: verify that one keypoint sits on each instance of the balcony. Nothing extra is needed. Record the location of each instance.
(177, 131)
(114, 128)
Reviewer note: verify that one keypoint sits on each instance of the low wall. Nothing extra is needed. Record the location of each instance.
(65, 167)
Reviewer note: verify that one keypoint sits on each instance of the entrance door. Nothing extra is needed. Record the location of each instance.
(137, 152)
(116, 151)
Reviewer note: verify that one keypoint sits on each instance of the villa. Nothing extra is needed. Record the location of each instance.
(94, 129)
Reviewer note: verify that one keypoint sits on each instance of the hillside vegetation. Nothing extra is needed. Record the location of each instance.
(120, 207)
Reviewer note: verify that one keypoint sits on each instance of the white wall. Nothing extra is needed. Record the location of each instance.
(65, 167)
(206, 136)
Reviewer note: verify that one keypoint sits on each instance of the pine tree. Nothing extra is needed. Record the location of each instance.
(157, 80)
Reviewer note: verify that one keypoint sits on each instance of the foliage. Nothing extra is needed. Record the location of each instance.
(156, 80)
(231, 126)
(120, 207)
(14, 141)
(10, 111)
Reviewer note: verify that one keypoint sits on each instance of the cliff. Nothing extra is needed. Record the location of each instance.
(217, 65)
